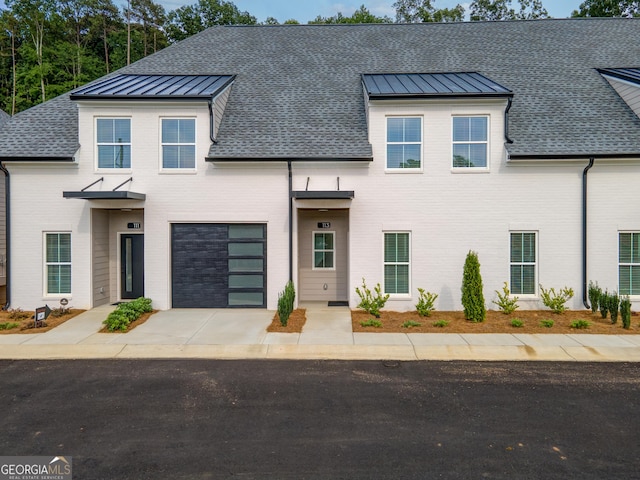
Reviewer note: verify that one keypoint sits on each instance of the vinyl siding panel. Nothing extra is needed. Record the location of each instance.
(100, 257)
(629, 93)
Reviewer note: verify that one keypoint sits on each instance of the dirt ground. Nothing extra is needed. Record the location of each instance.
(496, 322)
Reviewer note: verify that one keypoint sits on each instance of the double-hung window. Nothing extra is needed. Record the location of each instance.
(178, 143)
(57, 263)
(523, 263)
(629, 263)
(404, 143)
(470, 142)
(396, 263)
(113, 136)
(323, 250)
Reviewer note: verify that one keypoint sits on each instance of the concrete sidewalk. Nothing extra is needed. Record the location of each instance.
(327, 334)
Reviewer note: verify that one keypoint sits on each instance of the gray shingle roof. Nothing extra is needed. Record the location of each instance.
(298, 91)
(4, 117)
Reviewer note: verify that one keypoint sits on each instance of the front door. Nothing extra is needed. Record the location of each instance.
(323, 255)
(131, 266)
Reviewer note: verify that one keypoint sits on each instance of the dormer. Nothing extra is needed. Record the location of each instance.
(626, 82)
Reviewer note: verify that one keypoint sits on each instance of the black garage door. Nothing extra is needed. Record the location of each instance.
(218, 265)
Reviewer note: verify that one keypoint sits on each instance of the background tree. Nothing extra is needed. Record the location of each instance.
(192, 19)
(361, 15)
(608, 8)
(491, 10)
(415, 11)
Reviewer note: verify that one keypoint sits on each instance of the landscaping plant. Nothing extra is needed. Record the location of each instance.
(506, 303)
(440, 323)
(286, 300)
(580, 324)
(424, 307)
(625, 312)
(472, 296)
(556, 300)
(370, 303)
(8, 325)
(547, 323)
(595, 292)
(127, 312)
(614, 306)
(411, 323)
(372, 322)
(604, 304)
(517, 323)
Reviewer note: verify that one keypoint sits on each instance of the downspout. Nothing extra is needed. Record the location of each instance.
(506, 120)
(7, 263)
(212, 136)
(290, 222)
(585, 296)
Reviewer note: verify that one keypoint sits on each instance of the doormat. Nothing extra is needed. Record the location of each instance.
(338, 303)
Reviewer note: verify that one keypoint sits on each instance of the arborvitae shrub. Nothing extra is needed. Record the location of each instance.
(472, 296)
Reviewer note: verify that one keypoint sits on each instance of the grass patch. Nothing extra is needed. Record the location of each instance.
(8, 325)
(580, 324)
(411, 323)
(372, 322)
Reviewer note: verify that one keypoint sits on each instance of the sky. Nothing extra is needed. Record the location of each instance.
(305, 10)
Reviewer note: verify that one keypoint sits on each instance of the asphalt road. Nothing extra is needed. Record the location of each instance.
(197, 419)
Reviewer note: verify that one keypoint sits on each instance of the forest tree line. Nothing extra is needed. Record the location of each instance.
(48, 47)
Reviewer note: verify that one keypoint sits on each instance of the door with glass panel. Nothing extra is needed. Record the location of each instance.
(131, 266)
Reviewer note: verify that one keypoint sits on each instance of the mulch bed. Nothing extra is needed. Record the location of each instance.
(294, 324)
(26, 323)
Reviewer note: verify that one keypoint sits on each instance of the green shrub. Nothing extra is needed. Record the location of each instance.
(424, 307)
(556, 300)
(604, 304)
(517, 323)
(472, 296)
(372, 322)
(625, 312)
(547, 323)
(60, 311)
(595, 292)
(127, 312)
(8, 325)
(614, 306)
(580, 324)
(286, 300)
(411, 323)
(117, 320)
(506, 303)
(440, 323)
(370, 303)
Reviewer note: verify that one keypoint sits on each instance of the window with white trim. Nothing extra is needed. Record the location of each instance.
(629, 263)
(324, 250)
(178, 143)
(396, 263)
(523, 264)
(404, 143)
(113, 138)
(57, 263)
(470, 142)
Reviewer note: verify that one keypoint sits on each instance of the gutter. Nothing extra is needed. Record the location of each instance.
(7, 196)
(506, 120)
(585, 294)
(290, 221)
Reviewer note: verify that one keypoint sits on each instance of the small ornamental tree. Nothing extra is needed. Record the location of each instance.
(472, 296)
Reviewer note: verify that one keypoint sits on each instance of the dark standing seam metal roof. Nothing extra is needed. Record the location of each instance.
(154, 87)
(299, 92)
(412, 85)
(629, 74)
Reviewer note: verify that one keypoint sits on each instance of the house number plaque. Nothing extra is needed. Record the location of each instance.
(324, 224)
(134, 225)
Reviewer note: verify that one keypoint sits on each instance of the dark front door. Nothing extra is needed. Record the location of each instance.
(131, 266)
